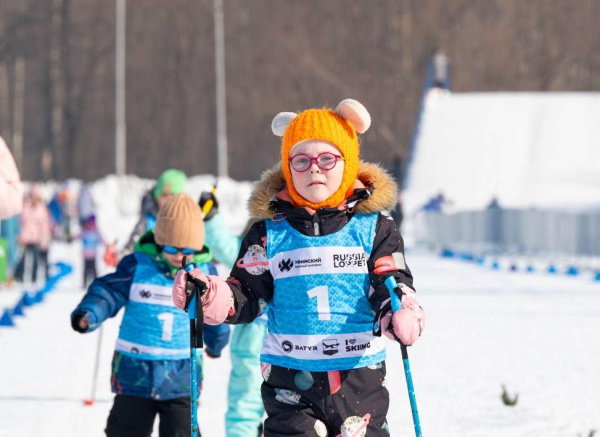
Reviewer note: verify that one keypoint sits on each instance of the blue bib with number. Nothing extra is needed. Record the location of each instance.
(320, 318)
(152, 327)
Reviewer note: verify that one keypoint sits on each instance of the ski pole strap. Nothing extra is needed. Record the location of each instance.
(378, 316)
(195, 288)
(197, 325)
(196, 312)
(193, 285)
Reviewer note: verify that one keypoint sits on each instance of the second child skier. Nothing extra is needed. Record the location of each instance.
(151, 364)
(319, 258)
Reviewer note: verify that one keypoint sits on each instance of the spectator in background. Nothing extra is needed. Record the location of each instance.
(9, 231)
(35, 226)
(435, 204)
(90, 240)
(86, 207)
(494, 204)
(63, 209)
(11, 189)
(441, 72)
(45, 239)
(397, 213)
(398, 173)
(11, 202)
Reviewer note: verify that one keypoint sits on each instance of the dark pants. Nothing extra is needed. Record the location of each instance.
(30, 251)
(44, 260)
(132, 416)
(300, 403)
(89, 271)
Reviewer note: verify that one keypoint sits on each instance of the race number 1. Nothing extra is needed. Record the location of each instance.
(167, 325)
(322, 295)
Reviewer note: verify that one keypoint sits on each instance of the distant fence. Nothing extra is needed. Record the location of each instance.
(513, 230)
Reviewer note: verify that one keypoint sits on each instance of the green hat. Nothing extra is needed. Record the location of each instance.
(174, 179)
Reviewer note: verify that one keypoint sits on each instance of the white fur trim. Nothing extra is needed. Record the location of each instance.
(281, 122)
(355, 113)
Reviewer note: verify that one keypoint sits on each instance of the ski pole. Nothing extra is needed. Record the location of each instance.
(209, 203)
(89, 402)
(392, 286)
(195, 289)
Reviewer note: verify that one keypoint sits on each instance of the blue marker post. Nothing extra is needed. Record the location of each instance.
(194, 288)
(392, 285)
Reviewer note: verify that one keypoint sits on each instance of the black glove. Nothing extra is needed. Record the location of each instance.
(205, 196)
(76, 319)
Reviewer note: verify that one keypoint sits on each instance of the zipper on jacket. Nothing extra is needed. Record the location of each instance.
(316, 224)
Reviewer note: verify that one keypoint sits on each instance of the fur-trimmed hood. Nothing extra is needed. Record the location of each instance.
(383, 186)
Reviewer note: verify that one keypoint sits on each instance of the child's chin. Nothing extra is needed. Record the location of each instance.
(316, 196)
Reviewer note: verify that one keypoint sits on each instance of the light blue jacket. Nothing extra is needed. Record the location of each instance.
(245, 409)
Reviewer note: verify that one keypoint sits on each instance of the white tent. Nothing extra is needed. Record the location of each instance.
(526, 149)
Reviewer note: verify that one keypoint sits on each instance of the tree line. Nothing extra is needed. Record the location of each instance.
(57, 73)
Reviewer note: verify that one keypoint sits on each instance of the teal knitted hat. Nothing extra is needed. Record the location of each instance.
(174, 179)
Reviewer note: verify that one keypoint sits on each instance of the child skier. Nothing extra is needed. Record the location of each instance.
(91, 239)
(151, 364)
(319, 258)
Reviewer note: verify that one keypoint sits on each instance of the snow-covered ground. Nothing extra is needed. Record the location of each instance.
(537, 334)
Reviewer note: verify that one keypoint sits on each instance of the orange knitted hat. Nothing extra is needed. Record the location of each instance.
(180, 223)
(338, 127)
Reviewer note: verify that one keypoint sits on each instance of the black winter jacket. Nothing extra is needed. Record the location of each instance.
(376, 192)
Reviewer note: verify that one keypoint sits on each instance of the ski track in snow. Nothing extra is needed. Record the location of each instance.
(537, 334)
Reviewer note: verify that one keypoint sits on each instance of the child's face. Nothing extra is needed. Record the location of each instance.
(174, 260)
(164, 196)
(315, 184)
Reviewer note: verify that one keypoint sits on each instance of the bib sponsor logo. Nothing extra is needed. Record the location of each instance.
(305, 348)
(319, 261)
(352, 346)
(287, 346)
(308, 262)
(151, 294)
(321, 347)
(344, 260)
(330, 346)
(286, 265)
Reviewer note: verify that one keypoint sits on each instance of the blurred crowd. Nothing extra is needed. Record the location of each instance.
(66, 214)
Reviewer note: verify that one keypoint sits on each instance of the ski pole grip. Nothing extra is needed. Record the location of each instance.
(392, 285)
(189, 267)
(192, 307)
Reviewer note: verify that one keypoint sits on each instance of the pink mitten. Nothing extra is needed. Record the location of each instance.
(216, 301)
(179, 294)
(407, 324)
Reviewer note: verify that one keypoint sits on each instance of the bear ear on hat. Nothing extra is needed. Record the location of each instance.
(355, 113)
(281, 122)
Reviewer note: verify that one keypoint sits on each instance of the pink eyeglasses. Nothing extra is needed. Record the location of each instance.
(325, 161)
